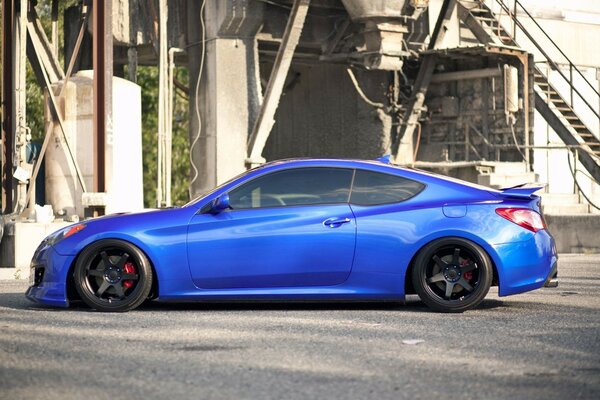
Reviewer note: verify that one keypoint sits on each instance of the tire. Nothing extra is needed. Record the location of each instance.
(113, 275)
(452, 275)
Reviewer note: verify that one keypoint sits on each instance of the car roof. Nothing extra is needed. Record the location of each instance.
(422, 176)
(374, 165)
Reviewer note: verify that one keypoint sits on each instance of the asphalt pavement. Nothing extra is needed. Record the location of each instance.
(539, 345)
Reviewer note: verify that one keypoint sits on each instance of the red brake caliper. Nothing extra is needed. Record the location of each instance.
(129, 268)
(469, 274)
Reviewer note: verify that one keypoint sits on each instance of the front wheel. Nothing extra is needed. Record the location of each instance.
(452, 275)
(113, 275)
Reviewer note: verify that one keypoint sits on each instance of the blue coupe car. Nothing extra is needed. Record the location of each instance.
(308, 230)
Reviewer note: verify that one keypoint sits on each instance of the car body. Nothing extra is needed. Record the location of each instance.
(308, 229)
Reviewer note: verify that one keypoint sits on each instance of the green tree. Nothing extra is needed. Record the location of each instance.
(148, 80)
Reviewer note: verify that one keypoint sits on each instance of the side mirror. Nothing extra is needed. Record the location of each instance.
(219, 204)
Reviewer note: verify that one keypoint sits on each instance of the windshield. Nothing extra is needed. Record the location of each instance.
(195, 199)
(204, 194)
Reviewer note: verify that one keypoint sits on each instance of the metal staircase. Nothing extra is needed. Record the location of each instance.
(556, 110)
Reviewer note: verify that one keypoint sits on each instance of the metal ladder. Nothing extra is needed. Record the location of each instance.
(554, 108)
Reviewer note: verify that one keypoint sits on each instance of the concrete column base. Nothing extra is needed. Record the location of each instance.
(18, 244)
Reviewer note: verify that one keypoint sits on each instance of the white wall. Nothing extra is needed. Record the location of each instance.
(124, 173)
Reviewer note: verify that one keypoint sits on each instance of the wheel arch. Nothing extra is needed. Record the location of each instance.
(70, 284)
(408, 286)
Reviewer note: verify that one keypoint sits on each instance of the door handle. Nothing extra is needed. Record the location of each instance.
(335, 222)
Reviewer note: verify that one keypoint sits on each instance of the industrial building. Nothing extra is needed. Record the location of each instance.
(496, 92)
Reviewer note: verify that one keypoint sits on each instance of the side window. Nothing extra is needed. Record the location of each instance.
(294, 187)
(371, 188)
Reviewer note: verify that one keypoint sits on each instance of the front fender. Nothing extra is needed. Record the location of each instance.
(161, 236)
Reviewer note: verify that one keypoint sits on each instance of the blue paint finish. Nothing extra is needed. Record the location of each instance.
(524, 266)
(386, 159)
(272, 247)
(522, 192)
(53, 290)
(454, 211)
(328, 251)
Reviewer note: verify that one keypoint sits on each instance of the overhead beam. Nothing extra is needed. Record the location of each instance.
(462, 75)
(264, 122)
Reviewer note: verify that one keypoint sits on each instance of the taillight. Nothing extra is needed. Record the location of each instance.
(524, 217)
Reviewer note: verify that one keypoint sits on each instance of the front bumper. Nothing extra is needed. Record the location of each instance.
(50, 294)
(49, 277)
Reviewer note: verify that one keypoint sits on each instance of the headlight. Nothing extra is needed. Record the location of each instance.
(64, 233)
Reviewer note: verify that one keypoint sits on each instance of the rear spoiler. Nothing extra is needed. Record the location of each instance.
(524, 191)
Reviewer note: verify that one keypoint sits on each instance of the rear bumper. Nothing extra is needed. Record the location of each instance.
(552, 279)
(526, 265)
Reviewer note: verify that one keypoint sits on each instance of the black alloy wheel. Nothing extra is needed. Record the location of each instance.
(113, 275)
(452, 275)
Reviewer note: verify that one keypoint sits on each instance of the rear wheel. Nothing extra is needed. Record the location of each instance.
(113, 275)
(452, 275)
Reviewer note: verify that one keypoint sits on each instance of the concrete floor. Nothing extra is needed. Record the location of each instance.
(544, 344)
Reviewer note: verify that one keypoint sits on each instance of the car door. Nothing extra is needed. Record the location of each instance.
(287, 228)
(387, 222)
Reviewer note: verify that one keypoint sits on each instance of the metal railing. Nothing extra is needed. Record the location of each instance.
(572, 67)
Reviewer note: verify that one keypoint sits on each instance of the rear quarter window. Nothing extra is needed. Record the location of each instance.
(371, 188)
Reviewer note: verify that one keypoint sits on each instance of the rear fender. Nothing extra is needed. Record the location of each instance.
(491, 252)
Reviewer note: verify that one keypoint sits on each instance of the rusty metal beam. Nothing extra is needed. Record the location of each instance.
(441, 25)
(590, 163)
(75, 53)
(480, 33)
(8, 9)
(42, 46)
(265, 120)
(103, 68)
(332, 44)
(58, 118)
(404, 141)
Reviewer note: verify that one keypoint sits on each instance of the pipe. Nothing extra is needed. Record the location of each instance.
(169, 124)
(162, 187)
(360, 92)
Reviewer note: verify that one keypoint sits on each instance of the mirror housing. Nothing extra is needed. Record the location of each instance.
(219, 204)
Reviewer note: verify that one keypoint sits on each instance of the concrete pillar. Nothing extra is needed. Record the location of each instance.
(229, 92)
